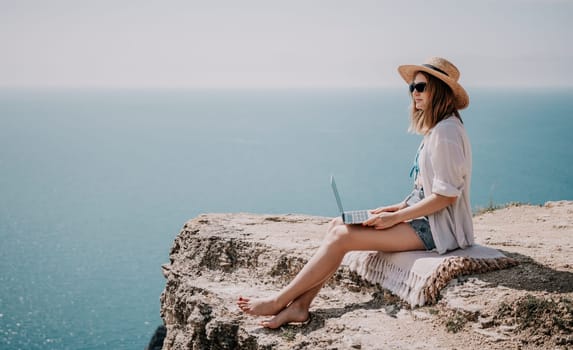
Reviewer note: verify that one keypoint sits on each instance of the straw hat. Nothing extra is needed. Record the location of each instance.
(443, 70)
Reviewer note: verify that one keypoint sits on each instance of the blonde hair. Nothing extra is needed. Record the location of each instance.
(442, 105)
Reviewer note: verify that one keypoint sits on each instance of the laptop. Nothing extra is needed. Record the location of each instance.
(348, 217)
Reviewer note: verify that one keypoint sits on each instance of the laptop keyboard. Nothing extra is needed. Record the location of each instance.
(357, 216)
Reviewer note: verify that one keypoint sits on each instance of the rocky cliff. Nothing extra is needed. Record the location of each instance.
(217, 257)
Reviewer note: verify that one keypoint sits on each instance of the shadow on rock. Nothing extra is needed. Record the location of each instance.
(530, 275)
(156, 342)
(381, 300)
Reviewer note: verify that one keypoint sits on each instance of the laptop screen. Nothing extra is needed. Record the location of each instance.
(335, 191)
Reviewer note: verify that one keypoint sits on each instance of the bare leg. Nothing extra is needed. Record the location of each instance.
(302, 302)
(304, 299)
(298, 310)
(339, 240)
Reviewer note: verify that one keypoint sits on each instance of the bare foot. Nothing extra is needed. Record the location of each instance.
(259, 307)
(293, 313)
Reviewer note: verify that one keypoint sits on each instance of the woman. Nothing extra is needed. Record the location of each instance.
(435, 216)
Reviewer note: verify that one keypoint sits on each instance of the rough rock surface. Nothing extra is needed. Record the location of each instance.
(218, 257)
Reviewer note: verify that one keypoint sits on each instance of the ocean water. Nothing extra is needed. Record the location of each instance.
(95, 184)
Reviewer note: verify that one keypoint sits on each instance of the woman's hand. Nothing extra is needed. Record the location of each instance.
(390, 208)
(383, 220)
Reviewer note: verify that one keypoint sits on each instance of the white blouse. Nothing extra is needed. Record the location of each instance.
(446, 168)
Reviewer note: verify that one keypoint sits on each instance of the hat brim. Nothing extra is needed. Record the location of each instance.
(409, 70)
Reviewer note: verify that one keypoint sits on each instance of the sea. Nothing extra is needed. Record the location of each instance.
(96, 183)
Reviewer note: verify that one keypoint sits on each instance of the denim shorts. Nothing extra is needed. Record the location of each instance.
(422, 229)
(421, 225)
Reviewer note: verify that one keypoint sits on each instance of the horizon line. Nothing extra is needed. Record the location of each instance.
(263, 87)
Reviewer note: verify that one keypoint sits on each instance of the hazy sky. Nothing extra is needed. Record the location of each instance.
(187, 43)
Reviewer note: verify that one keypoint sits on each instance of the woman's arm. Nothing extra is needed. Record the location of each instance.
(427, 206)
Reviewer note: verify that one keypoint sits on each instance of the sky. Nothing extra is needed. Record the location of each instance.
(275, 44)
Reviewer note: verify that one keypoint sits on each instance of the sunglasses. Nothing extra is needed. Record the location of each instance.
(420, 87)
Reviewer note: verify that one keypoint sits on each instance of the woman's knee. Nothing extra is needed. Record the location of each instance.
(337, 233)
(335, 222)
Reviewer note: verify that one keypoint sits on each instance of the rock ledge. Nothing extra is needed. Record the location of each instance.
(217, 257)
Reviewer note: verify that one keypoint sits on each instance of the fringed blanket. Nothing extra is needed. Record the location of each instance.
(418, 276)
